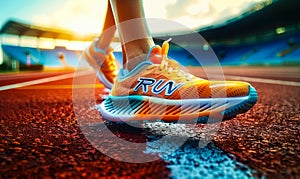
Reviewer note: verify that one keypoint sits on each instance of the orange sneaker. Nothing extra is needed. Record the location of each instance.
(103, 61)
(158, 89)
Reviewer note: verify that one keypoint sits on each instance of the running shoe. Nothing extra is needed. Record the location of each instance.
(103, 62)
(159, 89)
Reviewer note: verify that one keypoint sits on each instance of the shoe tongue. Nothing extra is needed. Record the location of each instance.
(155, 58)
(155, 55)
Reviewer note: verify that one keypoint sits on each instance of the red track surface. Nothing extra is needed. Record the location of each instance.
(41, 137)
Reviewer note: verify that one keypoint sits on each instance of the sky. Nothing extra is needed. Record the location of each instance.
(87, 16)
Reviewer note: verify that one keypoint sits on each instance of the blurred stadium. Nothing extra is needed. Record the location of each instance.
(39, 134)
(267, 34)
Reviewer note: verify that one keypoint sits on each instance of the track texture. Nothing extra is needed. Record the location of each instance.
(267, 137)
(39, 136)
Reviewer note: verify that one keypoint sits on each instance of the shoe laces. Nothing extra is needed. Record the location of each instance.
(169, 65)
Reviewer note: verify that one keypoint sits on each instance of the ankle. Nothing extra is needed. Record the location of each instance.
(136, 52)
(101, 45)
(134, 60)
(105, 38)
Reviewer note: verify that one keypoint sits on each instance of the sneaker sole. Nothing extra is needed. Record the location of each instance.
(145, 108)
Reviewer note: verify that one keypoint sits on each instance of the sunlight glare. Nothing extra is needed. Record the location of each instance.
(77, 45)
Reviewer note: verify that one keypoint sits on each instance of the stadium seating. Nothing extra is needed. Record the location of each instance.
(276, 51)
(20, 53)
(47, 57)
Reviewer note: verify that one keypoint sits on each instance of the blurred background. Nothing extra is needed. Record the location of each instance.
(50, 35)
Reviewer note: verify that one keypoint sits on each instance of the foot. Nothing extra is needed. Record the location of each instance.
(103, 61)
(159, 89)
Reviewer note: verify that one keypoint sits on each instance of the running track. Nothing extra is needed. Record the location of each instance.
(40, 136)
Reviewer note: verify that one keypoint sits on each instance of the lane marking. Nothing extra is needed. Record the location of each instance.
(26, 75)
(64, 86)
(70, 75)
(262, 80)
(254, 79)
(45, 80)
